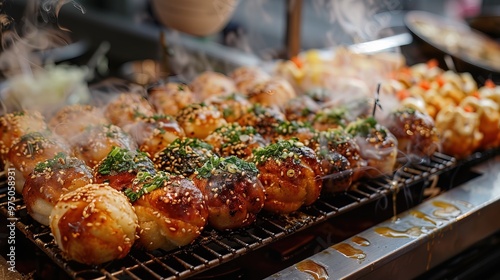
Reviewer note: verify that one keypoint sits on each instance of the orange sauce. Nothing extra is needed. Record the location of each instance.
(349, 251)
(358, 240)
(422, 216)
(445, 210)
(317, 271)
(392, 233)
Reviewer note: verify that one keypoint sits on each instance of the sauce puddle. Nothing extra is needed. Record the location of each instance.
(317, 271)
(349, 251)
(358, 240)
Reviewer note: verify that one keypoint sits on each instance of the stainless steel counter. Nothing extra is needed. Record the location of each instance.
(416, 240)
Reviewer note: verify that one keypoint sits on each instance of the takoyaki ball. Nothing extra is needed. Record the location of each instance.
(459, 131)
(301, 108)
(171, 210)
(235, 140)
(94, 224)
(320, 95)
(330, 118)
(95, 143)
(71, 120)
(168, 99)
(331, 143)
(489, 119)
(263, 119)
(209, 84)
(416, 133)
(14, 125)
(126, 107)
(183, 156)
(49, 180)
(247, 77)
(291, 175)
(153, 134)
(120, 167)
(302, 131)
(273, 92)
(378, 146)
(31, 149)
(231, 106)
(199, 120)
(233, 193)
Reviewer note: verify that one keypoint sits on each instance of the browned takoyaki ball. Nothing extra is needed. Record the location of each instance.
(126, 107)
(231, 106)
(171, 210)
(14, 125)
(263, 119)
(199, 120)
(233, 193)
(153, 134)
(273, 92)
(95, 143)
(168, 99)
(291, 175)
(235, 140)
(71, 120)
(247, 77)
(49, 180)
(94, 224)
(301, 108)
(209, 84)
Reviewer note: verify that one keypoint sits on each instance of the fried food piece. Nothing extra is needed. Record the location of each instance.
(232, 106)
(291, 175)
(183, 156)
(94, 224)
(95, 143)
(209, 84)
(49, 180)
(171, 210)
(120, 167)
(126, 107)
(72, 120)
(247, 77)
(233, 193)
(273, 92)
(378, 146)
(14, 125)
(235, 140)
(199, 120)
(170, 98)
(263, 119)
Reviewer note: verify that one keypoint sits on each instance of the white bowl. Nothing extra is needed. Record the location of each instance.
(195, 17)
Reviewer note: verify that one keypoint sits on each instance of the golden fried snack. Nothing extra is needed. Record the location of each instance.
(302, 131)
(171, 210)
(378, 146)
(330, 118)
(49, 180)
(14, 125)
(31, 149)
(233, 193)
(199, 120)
(120, 167)
(489, 119)
(247, 77)
(209, 84)
(273, 92)
(459, 131)
(291, 175)
(232, 106)
(183, 156)
(154, 133)
(415, 131)
(168, 99)
(95, 143)
(301, 108)
(126, 107)
(340, 157)
(94, 224)
(263, 119)
(71, 120)
(235, 140)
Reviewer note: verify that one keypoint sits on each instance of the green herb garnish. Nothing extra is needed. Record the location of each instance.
(148, 184)
(281, 150)
(59, 161)
(362, 127)
(290, 127)
(231, 164)
(122, 160)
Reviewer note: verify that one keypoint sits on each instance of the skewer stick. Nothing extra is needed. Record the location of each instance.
(377, 101)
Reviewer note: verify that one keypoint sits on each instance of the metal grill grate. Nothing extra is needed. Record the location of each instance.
(213, 248)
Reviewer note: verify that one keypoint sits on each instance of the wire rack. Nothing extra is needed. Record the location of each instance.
(213, 247)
